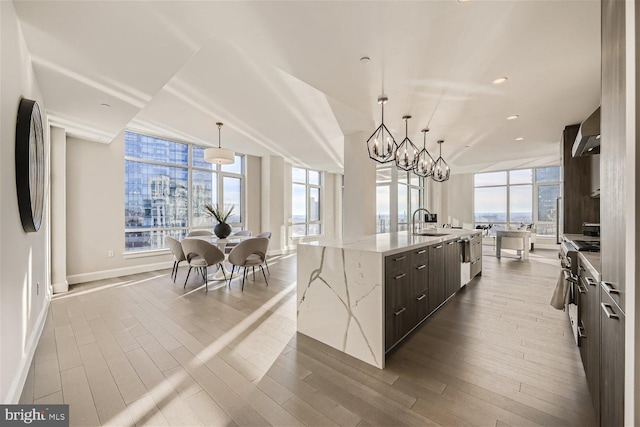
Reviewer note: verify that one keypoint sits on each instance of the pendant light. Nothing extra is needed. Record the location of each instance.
(424, 165)
(407, 152)
(441, 171)
(219, 155)
(381, 145)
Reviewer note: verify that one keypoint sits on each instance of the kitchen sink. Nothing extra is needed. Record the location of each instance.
(431, 233)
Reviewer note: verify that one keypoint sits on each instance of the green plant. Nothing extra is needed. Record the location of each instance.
(219, 212)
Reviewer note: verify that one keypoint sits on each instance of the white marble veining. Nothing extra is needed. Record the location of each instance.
(340, 300)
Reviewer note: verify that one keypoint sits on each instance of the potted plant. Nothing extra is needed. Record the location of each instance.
(221, 214)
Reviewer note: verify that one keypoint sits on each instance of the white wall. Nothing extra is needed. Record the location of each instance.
(24, 271)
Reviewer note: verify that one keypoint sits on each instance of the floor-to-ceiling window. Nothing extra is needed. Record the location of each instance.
(515, 197)
(305, 202)
(398, 194)
(167, 184)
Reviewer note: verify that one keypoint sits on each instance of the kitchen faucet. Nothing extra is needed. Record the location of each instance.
(413, 218)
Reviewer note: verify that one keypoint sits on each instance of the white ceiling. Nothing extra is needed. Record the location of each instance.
(286, 79)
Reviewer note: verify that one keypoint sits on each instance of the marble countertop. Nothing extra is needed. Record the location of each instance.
(390, 243)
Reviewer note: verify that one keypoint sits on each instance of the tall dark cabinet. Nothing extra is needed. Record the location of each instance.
(613, 194)
(578, 206)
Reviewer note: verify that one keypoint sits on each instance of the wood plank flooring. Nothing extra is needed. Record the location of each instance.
(141, 350)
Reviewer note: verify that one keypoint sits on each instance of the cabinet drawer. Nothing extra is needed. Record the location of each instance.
(420, 255)
(394, 263)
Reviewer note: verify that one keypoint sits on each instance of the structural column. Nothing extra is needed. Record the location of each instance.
(274, 200)
(59, 210)
(359, 205)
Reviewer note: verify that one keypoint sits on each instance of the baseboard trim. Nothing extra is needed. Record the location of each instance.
(117, 272)
(15, 389)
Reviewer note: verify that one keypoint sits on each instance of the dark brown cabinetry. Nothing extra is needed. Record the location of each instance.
(417, 282)
(578, 205)
(420, 284)
(589, 331)
(452, 263)
(436, 276)
(398, 298)
(612, 362)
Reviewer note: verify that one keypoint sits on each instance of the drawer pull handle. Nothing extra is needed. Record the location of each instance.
(421, 297)
(451, 242)
(399, 312)
(420, 267)
(581, 289)
(400, 258)
(609, 288)
(581, 333)
(608, 311)
(400, 276)
(420, 252)
(439, 247)
(590, 281)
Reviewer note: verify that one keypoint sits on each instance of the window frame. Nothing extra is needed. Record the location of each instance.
(308, 187)
(190, 168)
(394, 224)
(535, 185)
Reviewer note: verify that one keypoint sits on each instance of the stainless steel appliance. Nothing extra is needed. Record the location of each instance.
(569, 261)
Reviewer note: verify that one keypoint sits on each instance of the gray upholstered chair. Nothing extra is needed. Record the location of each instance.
(199, 233)
(231, 245)
(249, 253)
(266, 234)
(178, 255)
(201, 254)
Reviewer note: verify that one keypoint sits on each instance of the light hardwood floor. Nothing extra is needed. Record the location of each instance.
(140, 350)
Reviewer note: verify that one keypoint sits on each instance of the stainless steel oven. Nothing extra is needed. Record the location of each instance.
(568, 255)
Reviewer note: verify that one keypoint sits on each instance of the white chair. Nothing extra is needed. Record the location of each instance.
(231, 245)
(266, 234)
(249, 253)
(517, 240)
(201, 254)
(178, 255)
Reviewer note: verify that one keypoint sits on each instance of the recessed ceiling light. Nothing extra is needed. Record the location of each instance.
(105, 105)
(513, 117)
(499, 80)
(519, 138)
(467, 146)
(365, 60)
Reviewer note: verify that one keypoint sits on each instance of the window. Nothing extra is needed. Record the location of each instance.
(305, 202)
(167, 184)
(398, 194)
(507, 199)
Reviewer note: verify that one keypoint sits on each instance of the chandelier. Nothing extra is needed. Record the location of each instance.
(407, 152)
(219, 155)
(441, 171)
(424, 165)
(381, 144)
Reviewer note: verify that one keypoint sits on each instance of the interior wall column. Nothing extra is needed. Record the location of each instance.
(273, 202)
(59, 210)
(359, 203)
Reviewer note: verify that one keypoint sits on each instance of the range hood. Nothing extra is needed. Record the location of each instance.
(588, 138)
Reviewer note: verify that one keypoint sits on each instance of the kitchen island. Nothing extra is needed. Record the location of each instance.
(364, 295)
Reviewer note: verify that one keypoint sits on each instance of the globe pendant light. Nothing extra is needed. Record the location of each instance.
(425, 163)
(441, 171)
(218, 155)
(407, 152)
(381, 145)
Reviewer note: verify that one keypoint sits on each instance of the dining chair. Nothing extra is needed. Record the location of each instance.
(266, 234)
(249, 253)
(201, 254)
(178, 255)
(199, 233)
(231, 245)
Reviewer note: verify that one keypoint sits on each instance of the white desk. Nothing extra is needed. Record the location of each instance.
(513, 239)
